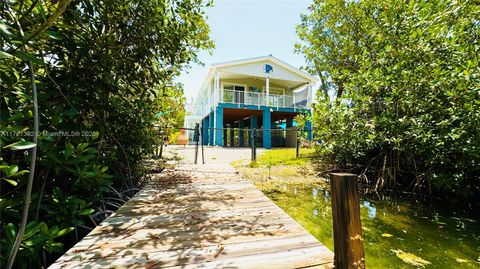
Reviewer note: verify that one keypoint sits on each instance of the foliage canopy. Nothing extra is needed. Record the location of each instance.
(104, 70)
(400, 89)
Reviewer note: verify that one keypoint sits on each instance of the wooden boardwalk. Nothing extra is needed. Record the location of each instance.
(210, 219)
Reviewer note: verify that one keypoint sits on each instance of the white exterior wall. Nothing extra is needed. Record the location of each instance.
(295, 83)
(257, 70)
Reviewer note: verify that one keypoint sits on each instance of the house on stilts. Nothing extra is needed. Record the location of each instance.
(262, 93)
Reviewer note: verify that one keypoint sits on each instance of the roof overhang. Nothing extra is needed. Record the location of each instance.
(241, 68)
(269, 58)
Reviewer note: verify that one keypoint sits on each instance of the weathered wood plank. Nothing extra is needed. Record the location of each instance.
(199, 253)
(204, 221)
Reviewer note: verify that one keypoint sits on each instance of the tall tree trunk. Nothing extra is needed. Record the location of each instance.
(62, 5)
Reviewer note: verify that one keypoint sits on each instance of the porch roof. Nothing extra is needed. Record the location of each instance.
(283, 74)
(227, 66)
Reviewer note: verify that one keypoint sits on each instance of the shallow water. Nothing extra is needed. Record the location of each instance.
(439, 236)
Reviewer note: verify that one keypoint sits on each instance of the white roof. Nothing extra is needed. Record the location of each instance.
(263, 59)
(245, 62)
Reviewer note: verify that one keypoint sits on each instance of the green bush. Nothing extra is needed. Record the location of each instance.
(103, 72)
(399, 95)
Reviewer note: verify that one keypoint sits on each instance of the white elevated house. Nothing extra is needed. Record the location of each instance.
(262, 92)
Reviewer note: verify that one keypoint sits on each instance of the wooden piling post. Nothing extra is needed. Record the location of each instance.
(347, 228)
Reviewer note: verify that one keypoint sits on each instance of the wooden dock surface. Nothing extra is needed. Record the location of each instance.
(209, 219)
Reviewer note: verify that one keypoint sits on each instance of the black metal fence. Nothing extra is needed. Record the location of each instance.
(201, 145)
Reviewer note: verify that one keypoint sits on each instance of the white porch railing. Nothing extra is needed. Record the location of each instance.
(258, 99)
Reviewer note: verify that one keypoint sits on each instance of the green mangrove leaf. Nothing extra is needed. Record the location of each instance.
(4, 29)
(11, 181)
(86, 212)
(4, 55)
(69, 148)
(64, 231)
(11, 170)
(53, 35)
(21, 145)
(410, 258)
(44, 228)
(11, 231)
(25, 56)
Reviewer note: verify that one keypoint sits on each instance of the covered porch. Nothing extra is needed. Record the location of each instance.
(232, 127)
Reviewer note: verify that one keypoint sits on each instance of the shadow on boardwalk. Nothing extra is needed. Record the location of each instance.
(195, 219)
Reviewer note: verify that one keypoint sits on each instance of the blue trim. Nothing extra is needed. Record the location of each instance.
(274, 109)
(253, 122)
(219, 126)
(308, 126)
(205, 123)
(218, 136)
(211, 125)
(267, 125)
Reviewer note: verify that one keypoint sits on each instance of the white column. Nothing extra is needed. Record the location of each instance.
(217, 87)
(209, 96)
(309, 95)
(267, 90)
(215, 99)
(216, 91)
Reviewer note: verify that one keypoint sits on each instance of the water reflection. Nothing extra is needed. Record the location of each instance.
(372, 211)
(398, 231)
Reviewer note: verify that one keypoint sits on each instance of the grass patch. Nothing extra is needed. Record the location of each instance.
(285, 157)
(278, 167)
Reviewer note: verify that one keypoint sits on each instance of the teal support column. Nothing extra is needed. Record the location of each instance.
(241, 130)
(289, 122)
(308, 127)
(232, 136)
(205, 123)
(267, 125)
(211, 131)
(253, 125)
(219, 126)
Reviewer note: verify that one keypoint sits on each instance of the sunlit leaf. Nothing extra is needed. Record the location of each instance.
(86, 212)
(4, 29)
(410, 258)
(4, 55)
(11, 181)
(387, 235)
(64, 231)
(11, 232)
(11, 170)
(21, 145)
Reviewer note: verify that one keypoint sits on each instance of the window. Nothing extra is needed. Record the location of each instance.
(277, 91)
(233, 93)
(254, 89)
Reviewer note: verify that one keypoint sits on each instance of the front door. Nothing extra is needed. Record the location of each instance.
(239, 94)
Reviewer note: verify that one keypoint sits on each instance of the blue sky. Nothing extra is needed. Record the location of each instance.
(246, 28)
